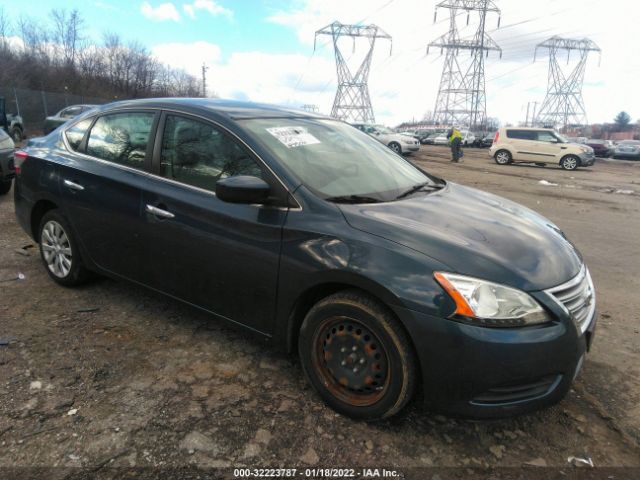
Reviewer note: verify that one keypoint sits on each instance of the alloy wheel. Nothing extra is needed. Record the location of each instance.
(56, 249)
(569, 163)
(502, 158)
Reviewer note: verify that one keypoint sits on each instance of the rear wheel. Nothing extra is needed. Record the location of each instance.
(59, 250)
(570, 162)
(5, 187)
(357, 356)
(16, 134)
(503, 157)
(395, 146)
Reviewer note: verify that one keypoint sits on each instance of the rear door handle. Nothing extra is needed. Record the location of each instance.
(158, 212)
(73, 185)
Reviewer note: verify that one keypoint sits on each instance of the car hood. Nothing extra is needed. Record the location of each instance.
(475, 233)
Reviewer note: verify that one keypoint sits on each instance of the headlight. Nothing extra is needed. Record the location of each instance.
(490, 304)
(586, 149)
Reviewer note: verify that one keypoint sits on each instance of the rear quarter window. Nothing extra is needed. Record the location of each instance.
(521, 134)
(76, 133)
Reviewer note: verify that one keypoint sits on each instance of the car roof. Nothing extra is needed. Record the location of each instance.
(233, 109)
(534, 129)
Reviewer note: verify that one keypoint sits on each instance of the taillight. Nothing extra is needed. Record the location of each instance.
(495, 139)
(19, 156)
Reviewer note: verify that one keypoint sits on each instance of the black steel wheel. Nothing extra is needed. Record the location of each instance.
(357, 356)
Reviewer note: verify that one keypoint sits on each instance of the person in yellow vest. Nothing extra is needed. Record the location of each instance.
(455, 142)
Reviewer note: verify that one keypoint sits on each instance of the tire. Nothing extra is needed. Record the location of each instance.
(395, 146)
(570, 162)
(16, 134)
(59, 250)
(5, 186)
(384, 373)
(503, 157)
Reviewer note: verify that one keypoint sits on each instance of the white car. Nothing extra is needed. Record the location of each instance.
(467, 138)
(398, 142)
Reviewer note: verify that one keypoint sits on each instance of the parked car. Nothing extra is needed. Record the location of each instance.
(317, 238)
(7, 170)
(468, 138)
(398, 142)
(629, 149)
(441, 139)
(430, 139)
(11, 123)
(580, 140)
(483, 140)
(541, 146)
(601, 148)
(63, 116)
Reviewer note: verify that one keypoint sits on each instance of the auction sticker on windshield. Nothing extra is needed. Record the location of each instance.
(293, 137)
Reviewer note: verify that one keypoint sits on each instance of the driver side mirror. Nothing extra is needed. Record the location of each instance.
(242, 189)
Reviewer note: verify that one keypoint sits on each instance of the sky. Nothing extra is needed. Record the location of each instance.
(263, 50)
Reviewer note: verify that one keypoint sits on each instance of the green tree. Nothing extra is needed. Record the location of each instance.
(622, 120)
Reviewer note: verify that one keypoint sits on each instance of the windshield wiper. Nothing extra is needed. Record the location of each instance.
(353, 199)
(418, 187)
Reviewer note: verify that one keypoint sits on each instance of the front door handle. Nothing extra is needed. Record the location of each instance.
(158, 212)
(73, 185)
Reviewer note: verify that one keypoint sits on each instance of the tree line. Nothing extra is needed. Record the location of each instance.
(55, 55)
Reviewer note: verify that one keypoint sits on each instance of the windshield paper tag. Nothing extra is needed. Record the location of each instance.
(293, 137)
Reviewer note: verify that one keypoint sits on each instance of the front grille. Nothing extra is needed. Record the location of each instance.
(518, 392)
(578, 298)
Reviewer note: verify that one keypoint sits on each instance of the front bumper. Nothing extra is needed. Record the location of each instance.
(587, 159)
(410, 148)
(482, 372)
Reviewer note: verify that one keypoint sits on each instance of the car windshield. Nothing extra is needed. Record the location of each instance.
(337, 161)
(630, 142)
(383, 129)
(561, 138)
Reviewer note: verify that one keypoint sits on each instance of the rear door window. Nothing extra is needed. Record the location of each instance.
(121, 138)
(199, 154)
(70, 112)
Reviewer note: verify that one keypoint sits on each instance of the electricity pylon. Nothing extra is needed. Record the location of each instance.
(563, 104)
(461, 97)
(309, 107)
(352, 102)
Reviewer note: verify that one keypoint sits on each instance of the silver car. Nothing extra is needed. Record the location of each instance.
(627, 149)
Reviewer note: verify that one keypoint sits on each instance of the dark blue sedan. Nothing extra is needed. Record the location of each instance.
(384, 278)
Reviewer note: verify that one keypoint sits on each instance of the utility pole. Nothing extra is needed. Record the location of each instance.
(533, 116)
(526, 122)
(204, 80)
(352, 102)
(461, 97)
(563, 104)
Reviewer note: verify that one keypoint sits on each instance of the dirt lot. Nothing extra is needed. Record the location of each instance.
(113, 375)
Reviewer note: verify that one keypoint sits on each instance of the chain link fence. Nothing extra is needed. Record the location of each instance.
(35, 105)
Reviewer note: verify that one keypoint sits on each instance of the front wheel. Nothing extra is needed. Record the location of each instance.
(570, 162)
(357, 357)
(395, 146)
(502, 157)
(59, 250)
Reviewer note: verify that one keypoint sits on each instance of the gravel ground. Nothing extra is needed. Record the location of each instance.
(112, 375)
